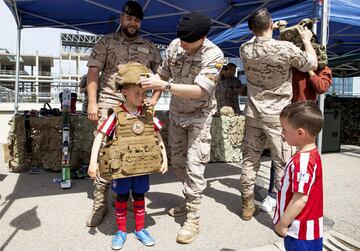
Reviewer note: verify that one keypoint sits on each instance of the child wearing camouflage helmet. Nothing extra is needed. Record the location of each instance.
(136, 150)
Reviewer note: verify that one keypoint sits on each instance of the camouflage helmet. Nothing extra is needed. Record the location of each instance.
(291, 34)
(131, 73)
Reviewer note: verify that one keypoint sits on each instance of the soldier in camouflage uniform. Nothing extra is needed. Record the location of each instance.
(232, 88)
(306, 85)
(267, 64)
(112, 51)
(193, 63)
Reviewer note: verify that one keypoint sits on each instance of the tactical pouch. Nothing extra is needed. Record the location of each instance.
(141, 160)
(109, 158)
(49, 111)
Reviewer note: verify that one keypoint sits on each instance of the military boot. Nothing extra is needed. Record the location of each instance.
(99, 209)
(248, 208)
(177, 211)
(191, 227)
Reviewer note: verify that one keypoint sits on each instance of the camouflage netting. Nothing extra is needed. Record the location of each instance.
(350, 118)
(46, 137)
(227, 132)
(225, 146)
(46, 145)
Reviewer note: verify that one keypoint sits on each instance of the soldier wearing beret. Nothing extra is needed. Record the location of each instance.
(136, 133)
(112, 51)
(189, 72)
(267, 65)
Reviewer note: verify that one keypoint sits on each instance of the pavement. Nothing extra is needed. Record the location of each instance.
(36, 214)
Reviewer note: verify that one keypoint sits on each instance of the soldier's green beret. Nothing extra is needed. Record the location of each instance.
(132, 73)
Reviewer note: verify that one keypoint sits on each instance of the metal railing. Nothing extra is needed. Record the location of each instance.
(13, 72)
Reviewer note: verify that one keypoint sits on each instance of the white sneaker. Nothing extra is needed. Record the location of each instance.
(268, 204)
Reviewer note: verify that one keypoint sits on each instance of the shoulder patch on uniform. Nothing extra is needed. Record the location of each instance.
(216, 65)
(212, 77)
(143, 50)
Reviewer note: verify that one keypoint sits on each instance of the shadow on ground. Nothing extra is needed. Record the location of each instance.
(36, 185)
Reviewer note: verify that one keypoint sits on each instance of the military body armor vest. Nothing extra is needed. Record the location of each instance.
(134, 149)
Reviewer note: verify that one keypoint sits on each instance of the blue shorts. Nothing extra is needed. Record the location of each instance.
(138, 184)
(292, 244)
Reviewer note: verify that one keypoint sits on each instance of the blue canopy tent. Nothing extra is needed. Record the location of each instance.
(161, 17)
(342, 33)
(102, 16)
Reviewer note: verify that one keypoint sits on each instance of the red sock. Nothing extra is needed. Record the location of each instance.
(121, 213)
(139, 212)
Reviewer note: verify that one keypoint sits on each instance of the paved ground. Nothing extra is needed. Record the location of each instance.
(36, 214)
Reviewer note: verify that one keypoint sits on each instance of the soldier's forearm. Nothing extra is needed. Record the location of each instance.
(92, 84)
(188, 91)
(310, 50)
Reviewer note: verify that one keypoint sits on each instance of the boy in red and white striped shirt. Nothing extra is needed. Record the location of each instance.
(299, 208)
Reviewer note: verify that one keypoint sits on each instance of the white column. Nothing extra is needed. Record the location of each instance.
(323, 39)
(18, 41)
(37, 75)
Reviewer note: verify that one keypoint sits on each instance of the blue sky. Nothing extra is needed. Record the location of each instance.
(44, 40)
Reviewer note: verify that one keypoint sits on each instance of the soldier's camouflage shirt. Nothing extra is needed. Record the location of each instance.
(111, 51)
(201, 68)
(225, 94)
(267, 65)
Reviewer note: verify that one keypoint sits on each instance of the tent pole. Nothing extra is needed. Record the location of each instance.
(18, 41)
(323, 41)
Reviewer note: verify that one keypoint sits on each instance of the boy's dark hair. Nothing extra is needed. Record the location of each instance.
(259, 20)
(231, 65)
(304, 114)
(123, 86)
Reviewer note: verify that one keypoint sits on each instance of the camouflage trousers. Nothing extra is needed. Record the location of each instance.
(189, 141)
(256, 134)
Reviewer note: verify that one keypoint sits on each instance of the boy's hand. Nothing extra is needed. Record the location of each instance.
(150, 101)
(93, 170)
(281, 230)
(164, 167)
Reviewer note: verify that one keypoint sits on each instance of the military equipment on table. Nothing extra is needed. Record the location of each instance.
(291, 34)
(46, 142)
(134, 149)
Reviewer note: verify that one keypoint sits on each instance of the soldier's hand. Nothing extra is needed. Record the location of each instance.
(164, 167)
(93, 170)
(93, 112)
(305, 34)
(279, 23)
(276, 25)
(153, 83)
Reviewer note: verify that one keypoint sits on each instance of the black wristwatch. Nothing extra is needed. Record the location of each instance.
(167, 87)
